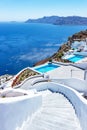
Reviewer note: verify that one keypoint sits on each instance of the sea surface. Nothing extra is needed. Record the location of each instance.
(24, 44)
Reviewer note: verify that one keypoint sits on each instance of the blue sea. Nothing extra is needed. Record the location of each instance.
(24, 44)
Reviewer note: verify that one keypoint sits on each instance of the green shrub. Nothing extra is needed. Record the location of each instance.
(60, 54)
(50, 60)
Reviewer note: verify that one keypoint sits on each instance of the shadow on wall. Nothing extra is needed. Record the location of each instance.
(77, 84)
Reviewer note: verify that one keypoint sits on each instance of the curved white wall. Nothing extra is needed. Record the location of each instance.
(79, 103)
(23, 82)
(15, 112)
(77, 84)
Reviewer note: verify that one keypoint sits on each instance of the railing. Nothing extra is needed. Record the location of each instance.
(72, 72)
(61, 63)
(85, 73)
(39, 81)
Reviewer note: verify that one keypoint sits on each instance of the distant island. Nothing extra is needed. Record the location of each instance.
(56, 20)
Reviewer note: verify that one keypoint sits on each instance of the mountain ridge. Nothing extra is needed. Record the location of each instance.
(57, 20)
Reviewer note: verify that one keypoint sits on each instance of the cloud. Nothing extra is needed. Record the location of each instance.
(52, 45)
(37, 55)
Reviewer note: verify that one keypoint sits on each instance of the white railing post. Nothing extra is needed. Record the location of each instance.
(85, 75)
(71, 73)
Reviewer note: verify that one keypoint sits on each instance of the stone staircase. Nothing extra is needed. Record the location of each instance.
(57, 113)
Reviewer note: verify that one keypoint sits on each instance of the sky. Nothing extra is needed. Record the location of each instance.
(22, 10)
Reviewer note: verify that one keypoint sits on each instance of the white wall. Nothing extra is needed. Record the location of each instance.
(81, 53)
(14, 112)
(79, 103)
(77, 84)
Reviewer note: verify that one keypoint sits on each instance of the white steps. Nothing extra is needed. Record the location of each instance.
(56, 114)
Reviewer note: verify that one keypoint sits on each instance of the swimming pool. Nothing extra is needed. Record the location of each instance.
(75, 58)
(46, 67)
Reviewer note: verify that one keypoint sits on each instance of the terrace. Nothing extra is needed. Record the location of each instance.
(77, 53)
(37, 99)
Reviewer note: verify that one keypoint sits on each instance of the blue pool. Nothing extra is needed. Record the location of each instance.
(75, 58)
(46, 67)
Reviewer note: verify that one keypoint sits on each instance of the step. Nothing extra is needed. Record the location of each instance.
(56, 114)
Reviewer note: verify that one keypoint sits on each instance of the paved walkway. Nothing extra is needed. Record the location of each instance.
(65, 72)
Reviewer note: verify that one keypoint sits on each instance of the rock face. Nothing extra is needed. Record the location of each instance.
(70, 20)
(42, 61)
(58, 55)
(80, 36)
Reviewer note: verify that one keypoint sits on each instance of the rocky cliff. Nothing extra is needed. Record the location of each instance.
(80, 36)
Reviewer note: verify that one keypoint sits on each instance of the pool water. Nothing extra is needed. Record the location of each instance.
(47, 67)
(75, 58)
